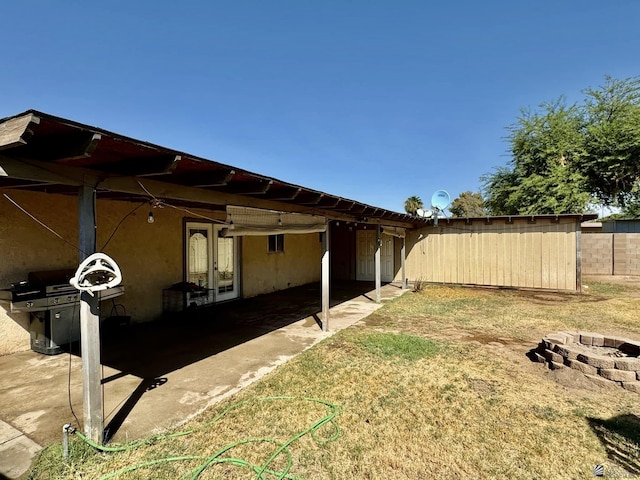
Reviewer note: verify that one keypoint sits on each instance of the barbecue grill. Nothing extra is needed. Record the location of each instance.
(53, 305)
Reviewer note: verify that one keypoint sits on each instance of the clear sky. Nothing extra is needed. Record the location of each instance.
(367, 99)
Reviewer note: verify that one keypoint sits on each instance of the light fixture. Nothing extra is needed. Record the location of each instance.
(150, 218)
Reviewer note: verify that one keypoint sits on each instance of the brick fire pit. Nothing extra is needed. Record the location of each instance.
(603, 359)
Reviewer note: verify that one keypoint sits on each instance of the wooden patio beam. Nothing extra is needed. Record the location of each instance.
(349, 205)
(142, 167)
(288, 193)
(312, 198)
(259, 187)
(328, 202)
(219, 179)
(15, 131)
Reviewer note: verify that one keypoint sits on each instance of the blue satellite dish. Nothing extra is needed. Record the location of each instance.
(440, 199)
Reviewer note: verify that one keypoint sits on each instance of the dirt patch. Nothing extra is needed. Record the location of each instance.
(482, 387)
(555, 298)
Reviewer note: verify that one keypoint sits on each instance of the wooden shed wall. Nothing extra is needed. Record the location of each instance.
(521, 254)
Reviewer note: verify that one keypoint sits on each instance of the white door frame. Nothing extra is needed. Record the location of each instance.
(213, 280)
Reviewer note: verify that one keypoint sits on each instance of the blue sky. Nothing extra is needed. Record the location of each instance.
(366, 99)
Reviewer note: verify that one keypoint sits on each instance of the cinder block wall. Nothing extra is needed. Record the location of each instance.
(611, 254)
(626, 253)
(597, 254)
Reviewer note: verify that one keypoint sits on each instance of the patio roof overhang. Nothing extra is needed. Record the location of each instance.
(41, 152)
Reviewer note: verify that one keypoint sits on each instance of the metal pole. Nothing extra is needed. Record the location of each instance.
(377, 263)
(325, 280)
(402, 261)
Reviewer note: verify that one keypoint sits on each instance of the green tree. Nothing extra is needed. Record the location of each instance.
(468, 204)
(612, 141)
(631, 208)
(540, 177)
(412, 205)
(564, 158)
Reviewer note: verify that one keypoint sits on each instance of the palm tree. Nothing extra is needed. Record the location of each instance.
(412, 205)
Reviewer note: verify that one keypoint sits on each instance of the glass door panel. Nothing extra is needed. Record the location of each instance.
(226, 267)
(199, 259)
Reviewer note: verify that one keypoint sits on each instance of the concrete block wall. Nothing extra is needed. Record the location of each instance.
(597, 254)
(611, 254)
(626, 253)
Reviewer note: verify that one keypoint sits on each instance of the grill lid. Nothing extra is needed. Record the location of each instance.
(51, 281)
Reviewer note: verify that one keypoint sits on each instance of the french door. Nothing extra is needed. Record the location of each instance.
(212, 261)
(365, 250)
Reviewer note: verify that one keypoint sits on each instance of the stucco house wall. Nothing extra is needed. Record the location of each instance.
(264, 272)
(150, 255)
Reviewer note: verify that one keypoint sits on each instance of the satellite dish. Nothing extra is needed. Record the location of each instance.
(440, 200)
(420, 212)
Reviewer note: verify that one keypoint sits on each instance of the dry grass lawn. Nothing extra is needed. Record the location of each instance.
(436, 384)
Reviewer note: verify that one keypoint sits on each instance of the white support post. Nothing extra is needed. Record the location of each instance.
(377, 262)
(403, 252)
(325, 280)
(89, 323)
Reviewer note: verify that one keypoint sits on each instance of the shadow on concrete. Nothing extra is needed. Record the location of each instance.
(124, 411)
(151, 350)
(620, 437)
(154, 349)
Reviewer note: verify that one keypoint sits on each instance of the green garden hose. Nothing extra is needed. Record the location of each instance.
(261, 471)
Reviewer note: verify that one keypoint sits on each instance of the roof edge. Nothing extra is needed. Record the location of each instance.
(577, 216)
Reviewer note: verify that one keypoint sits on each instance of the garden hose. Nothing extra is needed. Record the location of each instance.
(260, 470)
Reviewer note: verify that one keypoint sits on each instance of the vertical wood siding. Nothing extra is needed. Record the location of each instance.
(521, 254)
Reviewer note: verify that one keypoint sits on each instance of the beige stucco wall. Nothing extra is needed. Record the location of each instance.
(25, 246)
(149, 255)
(264, 272)
(520, 254)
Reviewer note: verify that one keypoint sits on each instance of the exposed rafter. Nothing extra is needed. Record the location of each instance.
(17, 131)
(284, 193)
(66, 147)
(310, 198)
(345, 205)
(165, 164)
(213, 179)
(250, 188)
(328, 202)
(141, 167)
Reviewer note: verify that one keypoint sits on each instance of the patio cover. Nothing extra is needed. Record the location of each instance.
(42, 152)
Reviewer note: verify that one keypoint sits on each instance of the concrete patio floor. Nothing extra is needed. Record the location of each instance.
(161, 374)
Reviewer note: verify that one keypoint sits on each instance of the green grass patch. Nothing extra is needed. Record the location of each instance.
(447, 302)
(398, 345)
